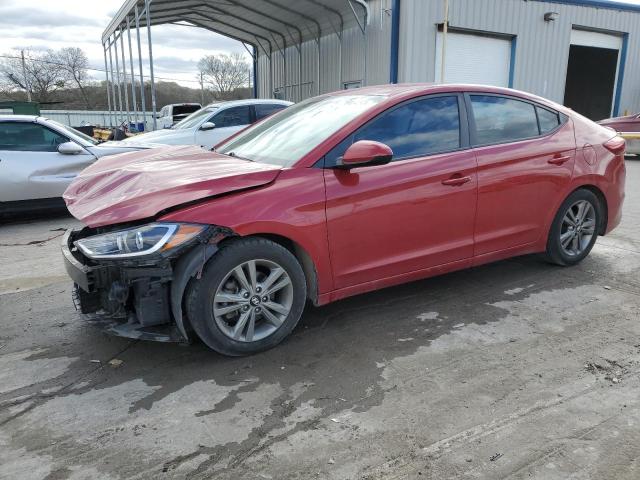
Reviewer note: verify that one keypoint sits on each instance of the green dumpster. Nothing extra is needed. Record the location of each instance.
(20, 108)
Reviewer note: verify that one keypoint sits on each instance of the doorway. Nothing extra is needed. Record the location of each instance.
(591, 77)
(592, 72)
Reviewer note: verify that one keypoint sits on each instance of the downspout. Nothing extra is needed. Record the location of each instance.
(395, 41)
(255, 72)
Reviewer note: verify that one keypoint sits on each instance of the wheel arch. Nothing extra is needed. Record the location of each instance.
(603, 203)
(306, 262)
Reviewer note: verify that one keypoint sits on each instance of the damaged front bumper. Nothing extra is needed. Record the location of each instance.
(138, 298)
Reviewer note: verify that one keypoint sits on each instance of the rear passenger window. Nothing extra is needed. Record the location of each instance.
(501, 119)
(547, 119)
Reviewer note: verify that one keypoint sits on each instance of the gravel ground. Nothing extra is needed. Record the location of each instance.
(517, 369)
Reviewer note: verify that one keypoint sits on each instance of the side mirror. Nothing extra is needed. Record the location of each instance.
(70, 148)
(366, 153)
(208, 126)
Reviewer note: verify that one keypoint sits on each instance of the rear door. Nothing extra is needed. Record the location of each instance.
(30, 165)
(227, 122)
(413, 213)
(525, 158)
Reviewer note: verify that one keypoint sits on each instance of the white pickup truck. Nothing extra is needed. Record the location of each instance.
(173, 113)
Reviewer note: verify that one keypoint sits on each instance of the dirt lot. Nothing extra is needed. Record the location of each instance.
(514, 370)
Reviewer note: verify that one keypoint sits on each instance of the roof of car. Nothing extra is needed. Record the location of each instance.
(409, 90)
(19, 118)
(396, 89)
(247, 101)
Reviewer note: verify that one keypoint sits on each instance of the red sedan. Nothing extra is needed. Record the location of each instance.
(338, 195)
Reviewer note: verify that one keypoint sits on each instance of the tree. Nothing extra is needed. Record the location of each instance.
(225, 73)
(41, 74)
(74, 64)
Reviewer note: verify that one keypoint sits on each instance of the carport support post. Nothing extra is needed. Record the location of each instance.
(133, 77)
(147, 4)
(143, 104)
(124, 76)
(106, 73)
(113, 85)
(115, 51)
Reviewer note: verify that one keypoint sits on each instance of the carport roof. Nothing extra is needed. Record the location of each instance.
(265, 23)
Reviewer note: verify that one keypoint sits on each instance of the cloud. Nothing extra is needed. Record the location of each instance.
(15, 16)
(49, 24)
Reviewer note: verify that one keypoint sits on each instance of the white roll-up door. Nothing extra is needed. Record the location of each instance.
(473, 58)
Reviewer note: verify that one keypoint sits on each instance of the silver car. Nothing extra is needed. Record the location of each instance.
(39, 158)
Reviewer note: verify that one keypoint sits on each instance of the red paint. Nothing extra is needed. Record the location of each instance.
(138, 185)
(372, 226)
(366, 151)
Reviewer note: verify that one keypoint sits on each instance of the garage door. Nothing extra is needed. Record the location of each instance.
(474, 59)
(592, 73)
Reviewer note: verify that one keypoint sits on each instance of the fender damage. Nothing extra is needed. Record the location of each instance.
(139, 298)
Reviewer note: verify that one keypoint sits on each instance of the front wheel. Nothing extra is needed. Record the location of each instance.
(250, 297)
(575, 228)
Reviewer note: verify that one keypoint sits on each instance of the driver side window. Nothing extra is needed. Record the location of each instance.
(232, 117)
(29, 137)
(418, 128)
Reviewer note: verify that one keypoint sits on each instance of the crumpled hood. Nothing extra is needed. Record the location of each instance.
(136, 185)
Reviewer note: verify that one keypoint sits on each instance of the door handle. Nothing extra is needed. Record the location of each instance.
(558, 160)
(456, 181)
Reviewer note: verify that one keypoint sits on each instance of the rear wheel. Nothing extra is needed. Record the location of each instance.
(575, 228)
(250, 297)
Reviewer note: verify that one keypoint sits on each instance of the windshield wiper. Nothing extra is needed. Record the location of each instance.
(233, 154)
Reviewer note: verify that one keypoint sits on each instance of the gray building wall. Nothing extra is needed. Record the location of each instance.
(542, 48)
(356, 58)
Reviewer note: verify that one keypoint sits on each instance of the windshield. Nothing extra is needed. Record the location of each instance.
(73, 131)
(195, 118)
(290, 134)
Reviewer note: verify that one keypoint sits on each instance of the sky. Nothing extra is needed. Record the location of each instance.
(42, 24)
(54, 24)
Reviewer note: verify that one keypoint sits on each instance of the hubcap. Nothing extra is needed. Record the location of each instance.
(578, 227)
(253, 300)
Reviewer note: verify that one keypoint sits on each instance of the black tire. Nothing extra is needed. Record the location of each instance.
(200, 295)
(555, 251)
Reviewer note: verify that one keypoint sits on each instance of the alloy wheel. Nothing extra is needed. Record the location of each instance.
(578, 228)
(253, 300)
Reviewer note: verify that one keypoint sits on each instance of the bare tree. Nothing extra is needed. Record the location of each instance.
(225, 73)
(74, 64)
(41, 75)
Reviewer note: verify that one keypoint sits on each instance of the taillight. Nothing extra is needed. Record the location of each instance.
(615, 145)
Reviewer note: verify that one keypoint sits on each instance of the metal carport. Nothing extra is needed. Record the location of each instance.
(271, 27)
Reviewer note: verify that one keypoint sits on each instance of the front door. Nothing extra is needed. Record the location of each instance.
(525, 157)
(30, 165)
(413, 213)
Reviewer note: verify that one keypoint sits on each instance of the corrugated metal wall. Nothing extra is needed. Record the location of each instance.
(542, 48)
(340, 61)
(78, 118)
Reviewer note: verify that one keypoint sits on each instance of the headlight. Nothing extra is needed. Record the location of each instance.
(135, 242)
